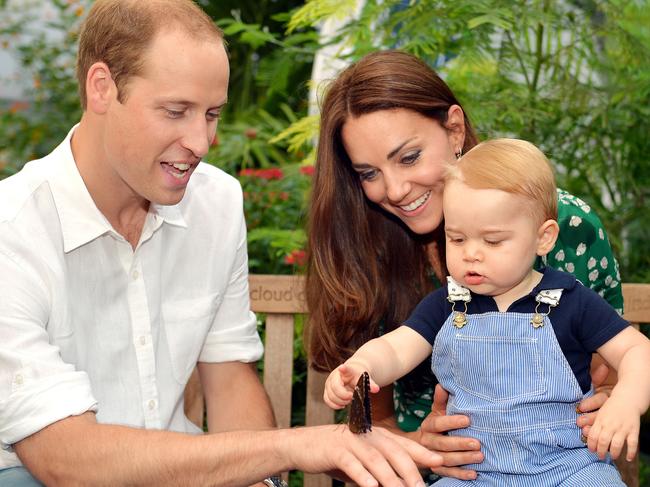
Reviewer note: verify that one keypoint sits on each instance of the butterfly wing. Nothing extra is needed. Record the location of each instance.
(360, 420)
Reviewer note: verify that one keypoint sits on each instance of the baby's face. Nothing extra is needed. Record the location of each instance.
(492, 239)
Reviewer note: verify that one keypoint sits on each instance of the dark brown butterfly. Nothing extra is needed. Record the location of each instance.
(360, 420)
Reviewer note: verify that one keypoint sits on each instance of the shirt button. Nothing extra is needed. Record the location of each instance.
(135, 275)
(152, 404)
(18, 380)
(143, 340)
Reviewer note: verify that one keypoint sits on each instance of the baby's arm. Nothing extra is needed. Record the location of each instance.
(618, 421)
(386, 359)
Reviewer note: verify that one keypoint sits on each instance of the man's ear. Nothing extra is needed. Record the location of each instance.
(100, 88)
(547, 234)
(455, 126)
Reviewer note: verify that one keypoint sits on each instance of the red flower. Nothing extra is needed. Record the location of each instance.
(307, 170)
(250, 133)
(270, 173)
(247, 172)
(296, 257)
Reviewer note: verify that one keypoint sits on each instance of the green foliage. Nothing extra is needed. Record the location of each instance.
(31, 130)
(572, 77)
(274, 202)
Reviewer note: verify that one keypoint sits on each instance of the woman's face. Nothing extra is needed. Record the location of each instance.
(400, 157)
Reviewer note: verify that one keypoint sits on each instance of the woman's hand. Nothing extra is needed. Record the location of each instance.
(603, 384)
(455, 451)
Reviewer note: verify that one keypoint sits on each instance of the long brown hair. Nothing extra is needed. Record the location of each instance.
(365, 267)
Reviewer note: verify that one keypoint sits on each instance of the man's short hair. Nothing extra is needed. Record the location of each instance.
(118, 33)
(514, 166)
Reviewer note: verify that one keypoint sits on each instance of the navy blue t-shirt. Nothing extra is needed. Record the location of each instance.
(582, 321)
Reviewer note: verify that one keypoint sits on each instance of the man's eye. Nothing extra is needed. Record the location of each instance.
(174, 113)
(213, 116)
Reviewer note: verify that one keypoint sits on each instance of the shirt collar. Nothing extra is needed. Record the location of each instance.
(81, 220)
(554, 279)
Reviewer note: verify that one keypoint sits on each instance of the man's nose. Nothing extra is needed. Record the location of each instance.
(197, 137)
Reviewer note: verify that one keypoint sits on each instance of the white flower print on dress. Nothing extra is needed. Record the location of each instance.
(614, 283)
(604, 262)
(570, 267)
(608, 280)
(581, 249)
(559, 256)
(575, 221)
(593, 275)
(601, 234)
(591, 263)
(419, 413)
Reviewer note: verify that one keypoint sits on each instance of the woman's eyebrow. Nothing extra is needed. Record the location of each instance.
(392, 153)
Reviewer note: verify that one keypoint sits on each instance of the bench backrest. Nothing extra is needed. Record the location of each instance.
(281, 298)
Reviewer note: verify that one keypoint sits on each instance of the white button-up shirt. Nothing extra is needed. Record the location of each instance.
(89, 324)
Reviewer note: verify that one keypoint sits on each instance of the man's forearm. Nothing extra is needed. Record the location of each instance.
(77, 451)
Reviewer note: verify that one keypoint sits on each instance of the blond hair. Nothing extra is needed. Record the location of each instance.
(118, 33)
(514, 166)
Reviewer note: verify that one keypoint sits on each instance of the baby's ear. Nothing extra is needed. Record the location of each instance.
(547, 236)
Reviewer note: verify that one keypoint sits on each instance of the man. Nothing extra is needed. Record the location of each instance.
(123, 263)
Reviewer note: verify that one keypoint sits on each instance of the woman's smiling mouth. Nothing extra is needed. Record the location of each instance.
(417, 203)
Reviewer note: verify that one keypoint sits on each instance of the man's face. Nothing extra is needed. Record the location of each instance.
(155, 139)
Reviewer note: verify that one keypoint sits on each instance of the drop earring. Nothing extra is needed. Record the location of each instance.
(459, 152)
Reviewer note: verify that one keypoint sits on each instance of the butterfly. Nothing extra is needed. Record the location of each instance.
(360, 420)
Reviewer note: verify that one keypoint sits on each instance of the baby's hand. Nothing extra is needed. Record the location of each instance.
(339, 386)
(614, 426)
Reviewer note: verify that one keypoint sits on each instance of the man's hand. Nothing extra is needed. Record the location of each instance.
(375, 458)
(455, 451)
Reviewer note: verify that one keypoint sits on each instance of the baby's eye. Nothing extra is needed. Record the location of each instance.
(455, 240)
(493, 242)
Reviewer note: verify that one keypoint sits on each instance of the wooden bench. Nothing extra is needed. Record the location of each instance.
(281, 298)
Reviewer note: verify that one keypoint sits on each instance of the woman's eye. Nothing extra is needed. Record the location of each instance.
(367, 175)
(411, 157)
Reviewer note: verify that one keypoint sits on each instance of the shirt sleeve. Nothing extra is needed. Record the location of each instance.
(37, 388)
(598, 322)
(430, 314)
(583, 250)
(233, 335)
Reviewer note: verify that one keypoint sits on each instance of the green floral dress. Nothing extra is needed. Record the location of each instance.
(582, 249)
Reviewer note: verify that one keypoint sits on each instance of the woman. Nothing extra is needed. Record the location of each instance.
(388, 123)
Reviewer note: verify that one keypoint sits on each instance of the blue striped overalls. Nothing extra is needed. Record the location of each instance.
(513, 381)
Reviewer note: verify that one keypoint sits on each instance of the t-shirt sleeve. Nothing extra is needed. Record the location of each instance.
(598, 322)
(583, 250)
(430, 314)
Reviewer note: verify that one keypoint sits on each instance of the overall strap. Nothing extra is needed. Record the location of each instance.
(550, 297)
(456, 293)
